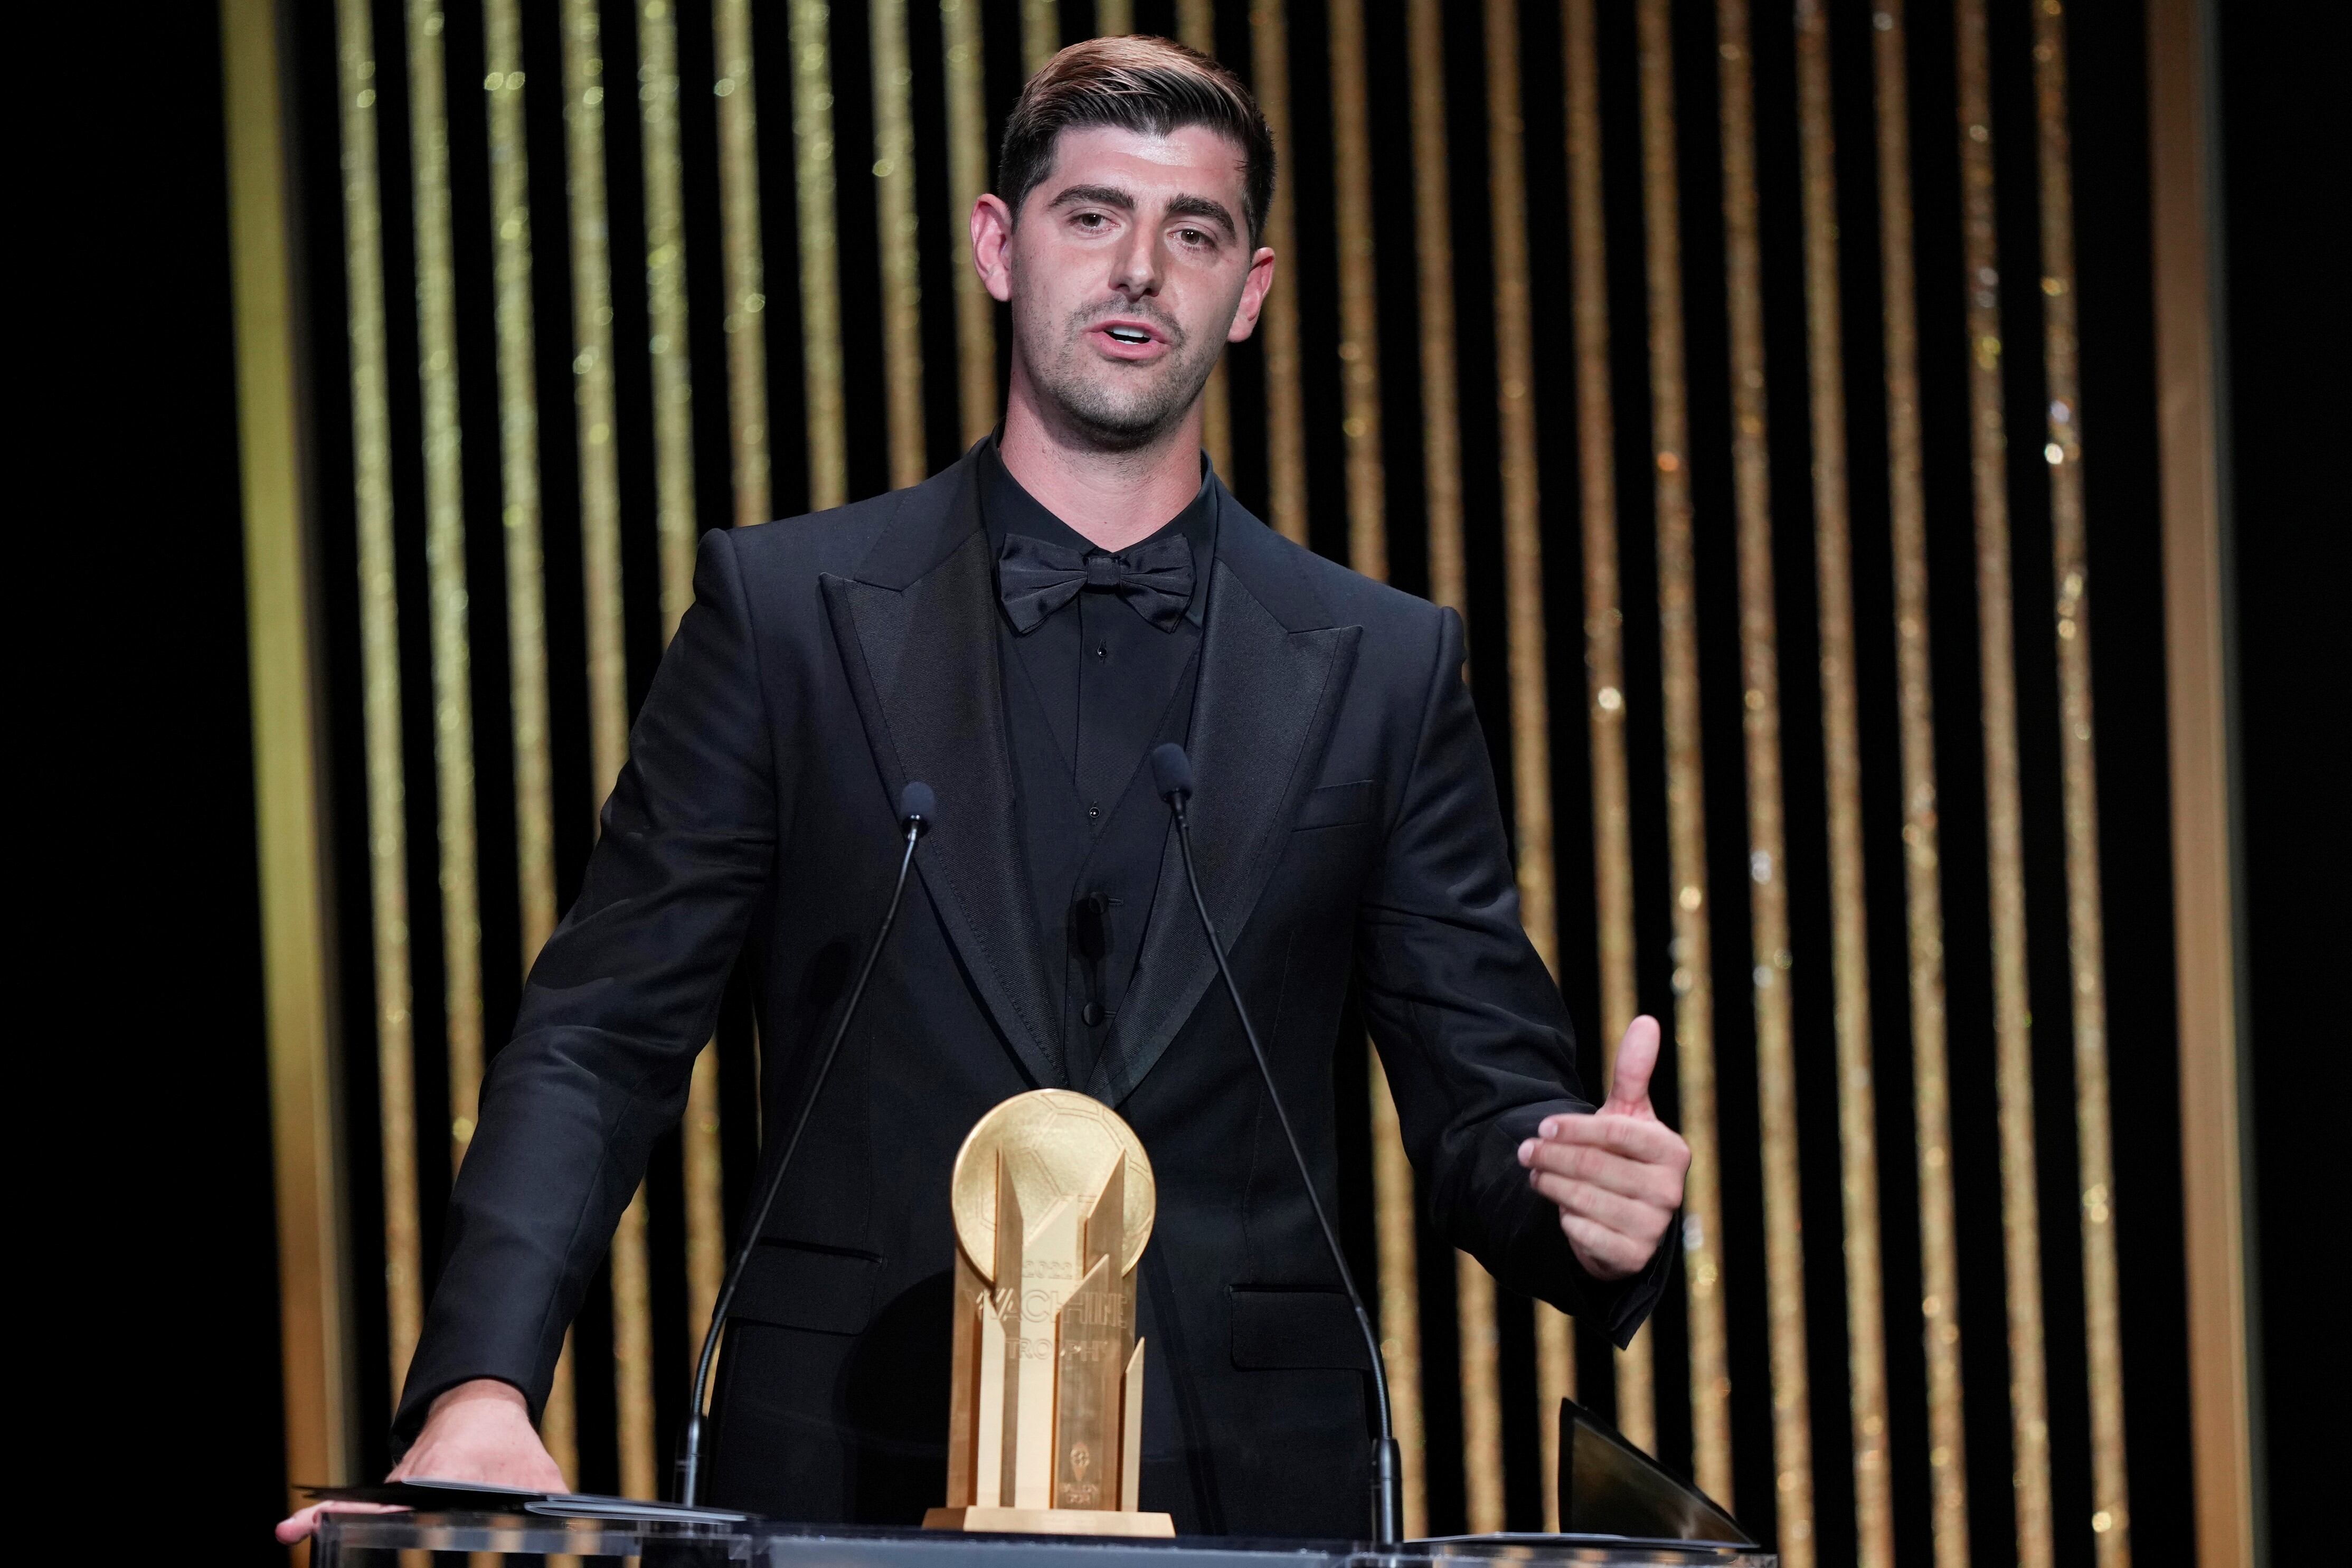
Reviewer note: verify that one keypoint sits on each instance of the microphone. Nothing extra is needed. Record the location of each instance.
(1172, 772)
(918, 814)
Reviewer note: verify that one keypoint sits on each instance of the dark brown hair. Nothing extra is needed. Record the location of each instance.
(1152, 85)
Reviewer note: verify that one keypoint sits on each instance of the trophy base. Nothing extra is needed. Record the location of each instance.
(1051, 1522)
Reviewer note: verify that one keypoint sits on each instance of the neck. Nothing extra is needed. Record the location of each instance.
(1114, 498)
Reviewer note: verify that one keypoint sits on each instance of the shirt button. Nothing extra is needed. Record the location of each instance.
(1093, 813)
(1091, 1015)
(1103, 651)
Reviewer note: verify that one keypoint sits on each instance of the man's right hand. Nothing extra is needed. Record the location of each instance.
(477, 1431)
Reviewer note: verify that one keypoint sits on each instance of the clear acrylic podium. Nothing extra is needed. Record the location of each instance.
(375, 1540)
(1632, 1514)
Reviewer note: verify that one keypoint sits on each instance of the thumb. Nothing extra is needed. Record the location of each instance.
(1637, 1059)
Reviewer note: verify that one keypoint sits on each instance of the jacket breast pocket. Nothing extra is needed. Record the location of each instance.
(1295, 1331)
(1336, 805)
(790, 1286)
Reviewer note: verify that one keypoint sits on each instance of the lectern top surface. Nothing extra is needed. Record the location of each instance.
(351, 1540)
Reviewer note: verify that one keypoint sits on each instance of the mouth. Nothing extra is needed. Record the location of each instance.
(1127, 339)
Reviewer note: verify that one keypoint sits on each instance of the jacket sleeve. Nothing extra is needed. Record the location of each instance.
(621, 1001)
(1469, 1024)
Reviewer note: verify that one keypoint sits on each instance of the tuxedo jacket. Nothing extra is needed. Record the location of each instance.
(1346, 834)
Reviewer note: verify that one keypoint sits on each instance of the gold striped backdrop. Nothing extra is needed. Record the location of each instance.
(1669, 339)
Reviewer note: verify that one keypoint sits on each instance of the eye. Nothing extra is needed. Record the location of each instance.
(1090, 222)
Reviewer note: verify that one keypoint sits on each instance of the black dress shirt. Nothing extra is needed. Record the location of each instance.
(1089, 690)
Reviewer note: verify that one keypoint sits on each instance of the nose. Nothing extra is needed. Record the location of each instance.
(1136, 269)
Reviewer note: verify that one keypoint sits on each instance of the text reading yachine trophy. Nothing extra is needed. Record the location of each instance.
(1054, 1201)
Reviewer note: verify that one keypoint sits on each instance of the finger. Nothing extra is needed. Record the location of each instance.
(1635, 1138)
(1637, 1059)
(1636, 1219)
(1647, 1181)
(1604, 1254)
(305, 1522)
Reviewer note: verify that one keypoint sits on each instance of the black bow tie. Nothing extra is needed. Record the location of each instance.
(1035, 578)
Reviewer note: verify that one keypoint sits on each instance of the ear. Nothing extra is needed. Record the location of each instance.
(1252, 301)
(991, 245)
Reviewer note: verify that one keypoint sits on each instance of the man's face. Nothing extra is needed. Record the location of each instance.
(1128, 271)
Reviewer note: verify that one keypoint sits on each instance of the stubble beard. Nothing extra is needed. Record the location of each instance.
(1116, 407)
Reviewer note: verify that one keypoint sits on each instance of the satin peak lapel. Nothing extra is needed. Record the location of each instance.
(1261, 720)
(922, 663)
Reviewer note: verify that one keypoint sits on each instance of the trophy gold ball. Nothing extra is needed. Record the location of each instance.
(1053, 1201)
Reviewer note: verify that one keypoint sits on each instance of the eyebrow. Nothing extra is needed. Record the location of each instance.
(1202, 207)
(1178, 206)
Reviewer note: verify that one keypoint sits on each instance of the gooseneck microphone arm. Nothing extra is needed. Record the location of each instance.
(918, 812)
(1171, 771)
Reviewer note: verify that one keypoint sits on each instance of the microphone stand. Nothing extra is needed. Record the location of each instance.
(1172, 771)
(917, 808)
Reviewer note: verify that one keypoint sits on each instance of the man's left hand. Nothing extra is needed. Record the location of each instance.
(1616, 1173)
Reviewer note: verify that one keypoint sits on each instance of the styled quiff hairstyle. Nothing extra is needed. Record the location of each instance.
(1152, 85)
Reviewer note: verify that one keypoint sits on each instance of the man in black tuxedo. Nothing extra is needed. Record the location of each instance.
(1019, 632)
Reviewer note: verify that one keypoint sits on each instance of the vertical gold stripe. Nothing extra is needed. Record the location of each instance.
(2020, 1207)
(673, 388)
(813, 168)
(2198, 682)
(1524, 622)
(894, 206)
(592, 368)
(1523, 572)
(706, 1218)
(705, 1210)
(1693, 984)
(559, 1420)
(1196, 26)
(1368, 552)
(673, 373)
(1442, 458)
(1759, 657)
(1433, 208)
(1359, 327)
(1041, 33)
(959, 24)
(1394, 1210)
(519, 474)
(1915, 688)
(1604, 618)
(445, 556)
(745, 259)
(1285, 415)
(1217, 420)
(526, 572)
(658, 99)
(2198, 687)
(2087, 938)
(632, 1349)
(1482, 1397)
(380, 685)
(600, 498)
(316, 1336)
(1841, 769)
(1114, 18)
(1522, 524)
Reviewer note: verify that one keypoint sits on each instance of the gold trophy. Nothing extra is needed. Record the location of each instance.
(1054, 1200)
